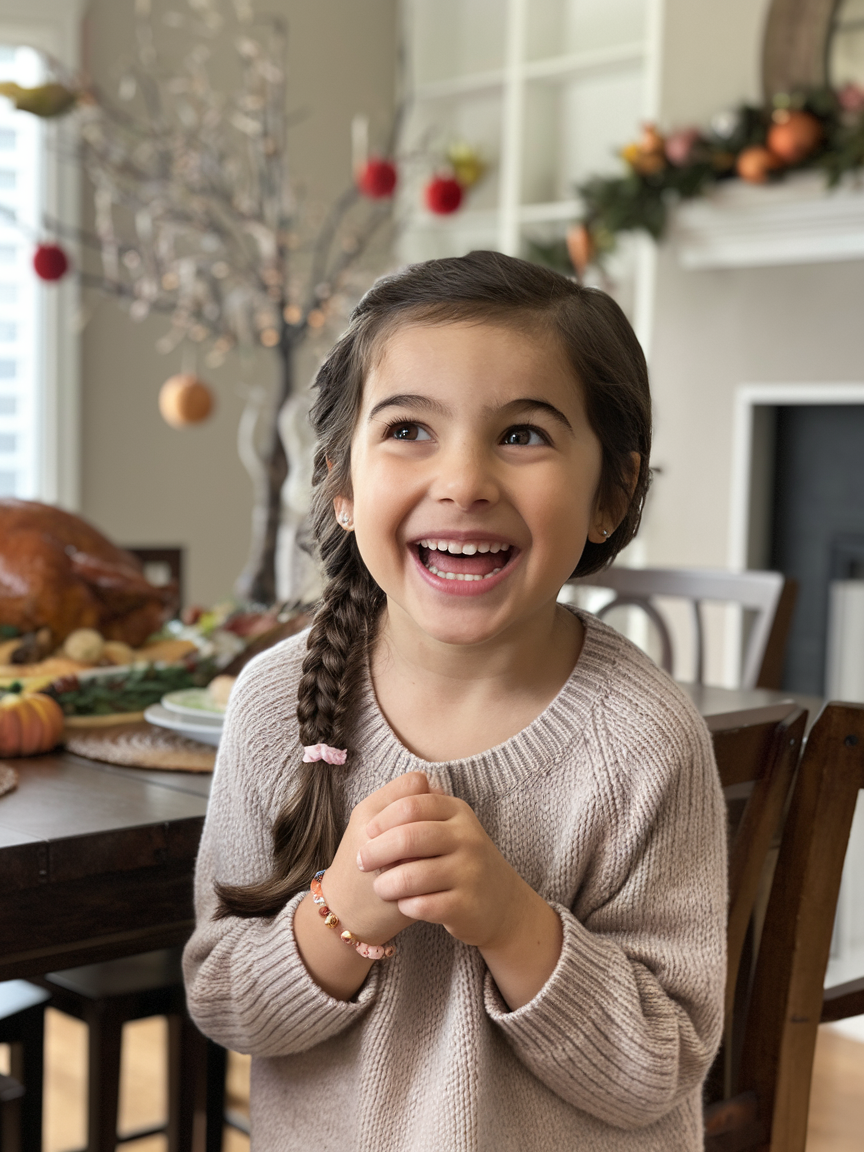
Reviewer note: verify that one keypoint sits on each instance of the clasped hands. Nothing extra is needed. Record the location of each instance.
(410, 853)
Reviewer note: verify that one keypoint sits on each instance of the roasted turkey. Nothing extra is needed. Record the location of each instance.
(58, 572)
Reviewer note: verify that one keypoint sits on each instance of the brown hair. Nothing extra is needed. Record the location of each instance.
(609, 365)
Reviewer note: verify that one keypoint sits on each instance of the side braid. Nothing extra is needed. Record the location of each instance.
(308, 829)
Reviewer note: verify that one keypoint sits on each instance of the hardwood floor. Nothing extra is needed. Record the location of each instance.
(836, 1107)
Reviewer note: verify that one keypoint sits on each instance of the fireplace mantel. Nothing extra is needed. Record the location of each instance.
(797, 221)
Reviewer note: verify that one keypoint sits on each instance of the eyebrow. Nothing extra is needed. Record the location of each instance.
(524, 404)
(530, 402)
(409, 400)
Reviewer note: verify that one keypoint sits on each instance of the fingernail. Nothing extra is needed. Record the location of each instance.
(360, 863)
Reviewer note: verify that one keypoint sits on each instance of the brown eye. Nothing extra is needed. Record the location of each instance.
(408, 431)
(524, 436)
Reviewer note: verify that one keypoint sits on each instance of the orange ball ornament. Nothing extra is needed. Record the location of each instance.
(756, 164)
(794, 135)
(580, 247)
(184, 399)
(29, 724)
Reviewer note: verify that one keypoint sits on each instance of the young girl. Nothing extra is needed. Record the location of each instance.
(517, 941)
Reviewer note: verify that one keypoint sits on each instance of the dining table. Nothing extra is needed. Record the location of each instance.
(97, 861)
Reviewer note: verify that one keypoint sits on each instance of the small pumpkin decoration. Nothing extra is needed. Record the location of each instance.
(30, 723)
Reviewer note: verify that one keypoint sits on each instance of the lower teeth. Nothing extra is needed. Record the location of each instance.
(460, 575)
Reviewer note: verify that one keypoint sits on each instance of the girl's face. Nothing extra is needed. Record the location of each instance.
(475, 476)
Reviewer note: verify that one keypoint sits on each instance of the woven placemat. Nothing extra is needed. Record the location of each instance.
(141, 745)
(8, 779)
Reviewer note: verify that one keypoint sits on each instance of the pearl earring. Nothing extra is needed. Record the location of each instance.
(344, 518)
(605, 533)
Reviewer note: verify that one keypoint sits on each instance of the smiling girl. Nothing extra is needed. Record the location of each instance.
(462, 880)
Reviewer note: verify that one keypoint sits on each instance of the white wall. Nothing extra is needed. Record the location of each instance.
(144, 483)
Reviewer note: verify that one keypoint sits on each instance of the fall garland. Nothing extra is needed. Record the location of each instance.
(821, 129)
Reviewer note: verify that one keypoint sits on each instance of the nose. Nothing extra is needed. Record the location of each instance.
(465, 476)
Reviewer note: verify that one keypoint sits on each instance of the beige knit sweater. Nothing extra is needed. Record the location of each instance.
(609, 806)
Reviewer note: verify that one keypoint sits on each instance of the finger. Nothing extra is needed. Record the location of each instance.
(417, 878)
(407, 842)
(408, 809)
(409, 784)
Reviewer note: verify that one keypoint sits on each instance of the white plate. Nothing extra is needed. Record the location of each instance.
(195, 703)
(204, 731)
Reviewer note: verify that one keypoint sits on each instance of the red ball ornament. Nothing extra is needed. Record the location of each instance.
(377, 179)
(443, 195)
(50, 262)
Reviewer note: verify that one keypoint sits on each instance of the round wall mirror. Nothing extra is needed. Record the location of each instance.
(799, 39)
(846, 44)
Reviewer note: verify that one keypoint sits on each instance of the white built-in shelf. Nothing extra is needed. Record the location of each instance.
(544, 89)
(554, 211)
(552, 68)
(455, 86)
(797, 221)
(581, 63)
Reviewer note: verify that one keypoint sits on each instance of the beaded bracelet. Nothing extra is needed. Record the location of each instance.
(369, 951)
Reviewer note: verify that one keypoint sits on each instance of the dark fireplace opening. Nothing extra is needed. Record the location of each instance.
(817, 523)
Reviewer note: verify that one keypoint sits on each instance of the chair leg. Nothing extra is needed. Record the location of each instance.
(217, 1068)
(186, 1057)
(27, 1059)
(105, 1028)
(10, 1116)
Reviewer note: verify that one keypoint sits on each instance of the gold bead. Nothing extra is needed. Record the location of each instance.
(330, 920)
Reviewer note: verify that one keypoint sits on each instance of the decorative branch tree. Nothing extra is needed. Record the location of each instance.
(197, 217)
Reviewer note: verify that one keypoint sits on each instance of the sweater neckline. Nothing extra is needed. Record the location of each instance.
(533, 750)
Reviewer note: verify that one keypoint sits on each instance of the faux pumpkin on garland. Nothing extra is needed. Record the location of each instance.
(30, 724)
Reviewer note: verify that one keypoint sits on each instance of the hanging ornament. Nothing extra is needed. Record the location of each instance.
(377, 178)
(184, 399)
(756, 164)
(468, 166)
(580, 247)
(793, 136)
(50, 262)
(443, 195)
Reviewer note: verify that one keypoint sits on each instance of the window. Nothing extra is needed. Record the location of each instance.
(22, 163)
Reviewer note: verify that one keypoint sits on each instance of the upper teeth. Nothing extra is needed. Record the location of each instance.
(457, 549)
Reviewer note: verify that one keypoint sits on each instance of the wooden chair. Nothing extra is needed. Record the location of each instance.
(768, 594)
(11, 1093)
(757, 752)
(158, 562)
(105, 996)
(767, 1106)
(22, 1027)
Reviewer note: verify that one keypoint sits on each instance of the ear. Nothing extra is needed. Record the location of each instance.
(606, 520)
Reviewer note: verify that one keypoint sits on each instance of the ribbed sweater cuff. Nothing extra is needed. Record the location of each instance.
(309, 1015)
(548, 1019)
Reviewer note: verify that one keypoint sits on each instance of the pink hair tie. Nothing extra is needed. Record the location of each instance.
(324, 752)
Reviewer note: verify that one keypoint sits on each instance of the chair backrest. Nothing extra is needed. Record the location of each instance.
(162, 566)
(768, 594)
(757, 751)
(769, 1112)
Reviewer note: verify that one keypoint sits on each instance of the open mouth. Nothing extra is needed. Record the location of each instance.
(467, 561)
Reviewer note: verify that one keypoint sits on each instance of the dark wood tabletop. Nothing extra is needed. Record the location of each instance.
(97, 861)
